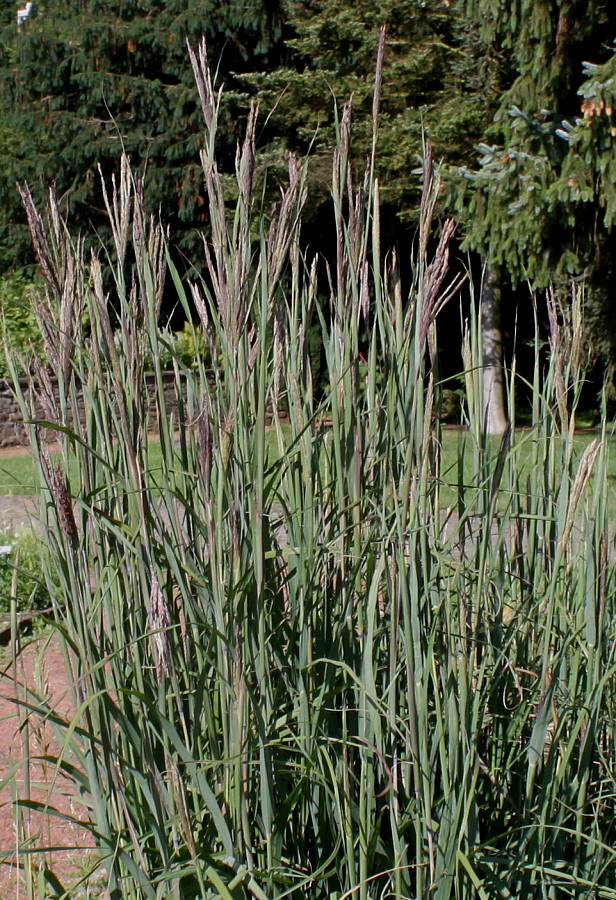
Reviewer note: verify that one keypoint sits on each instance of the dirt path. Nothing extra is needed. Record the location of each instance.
(40, 666)
(17, 512)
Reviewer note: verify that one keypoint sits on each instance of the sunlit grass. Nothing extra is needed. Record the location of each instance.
(19, 475)
(457, 444)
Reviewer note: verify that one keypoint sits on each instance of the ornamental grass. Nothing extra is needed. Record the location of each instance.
(296, 673)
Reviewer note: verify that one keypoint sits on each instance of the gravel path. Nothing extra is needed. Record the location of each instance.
(17, 511)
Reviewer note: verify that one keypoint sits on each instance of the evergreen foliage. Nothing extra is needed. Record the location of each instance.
(83, 78)
(589, 173)
(588, 183)
(428, 91)
(540, 202)
(530, 84)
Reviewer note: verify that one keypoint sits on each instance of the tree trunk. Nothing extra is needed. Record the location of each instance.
(494, 415)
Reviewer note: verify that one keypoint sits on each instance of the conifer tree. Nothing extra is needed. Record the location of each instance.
(527, 207)
(79, 79)
(588, 186)
(428, 92)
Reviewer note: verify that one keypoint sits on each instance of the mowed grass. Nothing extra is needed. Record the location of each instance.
(18, 474)
(458, 444)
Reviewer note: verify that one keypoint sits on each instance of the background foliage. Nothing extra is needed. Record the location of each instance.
(84, 78)
(517, 101)
(18, 326)
(428, 90)
(536, 203)
(21, 574)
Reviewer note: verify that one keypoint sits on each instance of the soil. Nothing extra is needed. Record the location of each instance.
(17, 512)
(41, 667)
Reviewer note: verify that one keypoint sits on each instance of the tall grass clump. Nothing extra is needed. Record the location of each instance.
(296, 673)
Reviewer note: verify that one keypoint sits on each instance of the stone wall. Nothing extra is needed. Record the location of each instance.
(12, 430)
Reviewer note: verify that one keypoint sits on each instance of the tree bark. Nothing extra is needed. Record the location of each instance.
(494, 415)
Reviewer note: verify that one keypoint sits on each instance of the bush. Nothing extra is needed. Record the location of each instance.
(190, 346)
(21, 573)
(451, 406)
(18, 327)
(187, 347)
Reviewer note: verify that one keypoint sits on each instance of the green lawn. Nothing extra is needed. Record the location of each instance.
(18, 475)
(458, 443)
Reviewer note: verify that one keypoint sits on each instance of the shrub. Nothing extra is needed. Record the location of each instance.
(186, 347)
(21, 574)
(18, 326)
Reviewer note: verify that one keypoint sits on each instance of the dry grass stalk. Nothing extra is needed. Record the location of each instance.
(229, 257)
(205, 86)
(566, 345)
(429, 194)
(585, 467)
(46, 253)
(283, 230)
(341, 177)
(280, 348)
(378, 86)
(63, 502)
(43, 393)
(149, 246)
(432, 300)
(59, 312)
(119, 207)
(159, 623)
(206, 441)
(559, 350)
